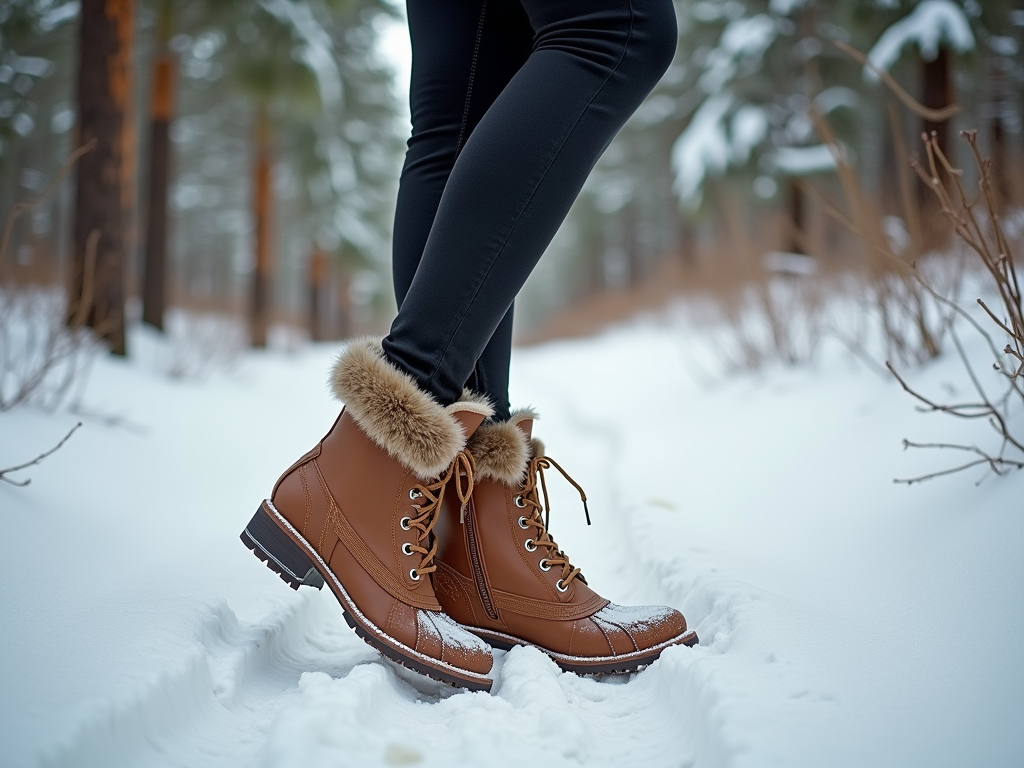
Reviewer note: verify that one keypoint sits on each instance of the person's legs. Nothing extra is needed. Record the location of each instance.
(464, 55)
(515, 178)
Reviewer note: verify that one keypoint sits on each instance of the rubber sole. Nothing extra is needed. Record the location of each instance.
(283, 549)
(605, 665)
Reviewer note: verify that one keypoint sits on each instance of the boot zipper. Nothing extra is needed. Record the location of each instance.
(474, 559)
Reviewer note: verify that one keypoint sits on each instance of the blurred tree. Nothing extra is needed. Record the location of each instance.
(281, 87)
(104, 93)
(164, 74)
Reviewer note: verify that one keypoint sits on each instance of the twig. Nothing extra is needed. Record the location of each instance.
(919, 109)
(27, 206)
(38, 459)
(996, 463)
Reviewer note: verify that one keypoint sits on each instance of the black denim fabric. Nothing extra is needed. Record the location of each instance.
(513, 102)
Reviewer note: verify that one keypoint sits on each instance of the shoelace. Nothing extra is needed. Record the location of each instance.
(461, 469)
(529, 497)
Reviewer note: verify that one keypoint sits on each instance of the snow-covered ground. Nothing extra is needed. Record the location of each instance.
(844, 620)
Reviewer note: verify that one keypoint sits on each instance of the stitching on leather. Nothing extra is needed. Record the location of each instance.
(440, 634)
(611, 648)
(391, 615)
(309, 499)
(369, 562)
(472, 77)
(330, 501)
(448, 582)
(626, 632)
(541, 609)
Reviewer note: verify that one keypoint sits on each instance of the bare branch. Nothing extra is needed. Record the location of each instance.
(37, 460)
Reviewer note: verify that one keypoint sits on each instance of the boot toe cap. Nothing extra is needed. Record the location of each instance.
(447, 641)
(646, 625)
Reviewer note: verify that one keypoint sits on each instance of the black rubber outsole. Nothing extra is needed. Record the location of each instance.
(276, 548)
(588, 670)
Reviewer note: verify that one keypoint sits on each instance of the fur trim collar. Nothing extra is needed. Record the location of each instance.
(501, 449)
(396, 414)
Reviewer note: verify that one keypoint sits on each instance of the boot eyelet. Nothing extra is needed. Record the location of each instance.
(416, 577)
(404, 523)
(560, 586)
(520, 502)
(414, 494)
(544, 565)
(522, 523)
(529, 546)
(407, 548)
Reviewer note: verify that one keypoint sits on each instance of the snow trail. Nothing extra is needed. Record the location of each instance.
(843, 619)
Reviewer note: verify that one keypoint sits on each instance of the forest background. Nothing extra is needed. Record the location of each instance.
(224, 172)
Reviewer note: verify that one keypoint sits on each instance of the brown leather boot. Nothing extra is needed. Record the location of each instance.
(359, 509)
(502, 576)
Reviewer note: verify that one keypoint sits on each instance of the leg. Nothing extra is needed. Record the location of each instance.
(517, 175)
(463, 58)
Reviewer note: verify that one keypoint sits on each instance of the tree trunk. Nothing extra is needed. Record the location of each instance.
(797, 217)
(100, 237)
(317, 282)
(1001, 101)
(154, 272)
(262, 275)
(936, 93)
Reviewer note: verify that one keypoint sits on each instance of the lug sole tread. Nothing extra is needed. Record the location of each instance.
(363, 634)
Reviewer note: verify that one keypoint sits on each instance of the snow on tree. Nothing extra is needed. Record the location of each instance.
(930, 24)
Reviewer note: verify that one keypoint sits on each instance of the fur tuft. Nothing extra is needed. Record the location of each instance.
(501, 449)
(399, 417)
(536, 447)
(473, 402)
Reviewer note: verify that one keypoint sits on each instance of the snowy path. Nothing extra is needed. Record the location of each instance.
(843, 619)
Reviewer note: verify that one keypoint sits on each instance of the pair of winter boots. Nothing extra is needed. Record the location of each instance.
(427, 523)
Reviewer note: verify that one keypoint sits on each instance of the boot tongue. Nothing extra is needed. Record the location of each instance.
(536, 447)
(526, 427)
(469, 420)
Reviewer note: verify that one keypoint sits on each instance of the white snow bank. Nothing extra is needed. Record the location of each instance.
(844, 620)
(931, 23)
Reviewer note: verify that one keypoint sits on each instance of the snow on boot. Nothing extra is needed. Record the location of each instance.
(358, 511)
(502, 576)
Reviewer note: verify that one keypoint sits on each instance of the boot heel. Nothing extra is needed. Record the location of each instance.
(273, 546)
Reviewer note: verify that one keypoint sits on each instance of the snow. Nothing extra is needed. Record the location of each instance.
(749, 128)
(844, 620)
(802, 161)
(743, 38)
(931, 23)
(702, 149)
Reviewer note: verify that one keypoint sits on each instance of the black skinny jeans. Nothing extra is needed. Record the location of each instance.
(513, 102)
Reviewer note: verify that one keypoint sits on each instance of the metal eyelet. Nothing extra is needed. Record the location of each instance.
(522, 523)
(544, 565)
(529, 546)
(520, 502)
(560, 586)
(414, 494)
(416, 577)
(404, 523)
(407, 548)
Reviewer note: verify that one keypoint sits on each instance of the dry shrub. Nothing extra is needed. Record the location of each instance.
(196, 343)
(983, 232)
(45, 344)
(42, 358)
(772, 305)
